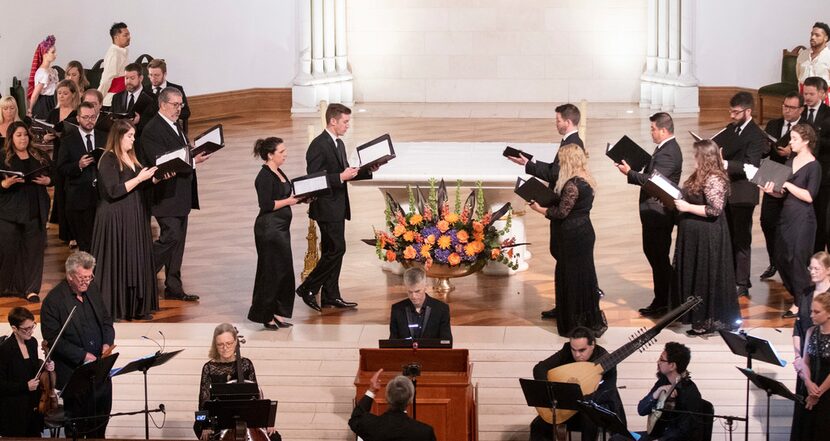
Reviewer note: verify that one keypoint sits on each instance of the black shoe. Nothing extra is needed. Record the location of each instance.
(181, 296)
(648, 309)
(742, 291)
(789, 314)
(338, 303)
(283, 324)
(549, 314)
(600, 292)
(309, 299)
(271, 326)
(769, 272)
(654, 312)
(33, 298)
(143, 317)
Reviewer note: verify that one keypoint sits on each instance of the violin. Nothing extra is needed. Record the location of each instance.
(48, 398)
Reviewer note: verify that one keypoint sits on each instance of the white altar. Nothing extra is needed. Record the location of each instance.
(470, 162)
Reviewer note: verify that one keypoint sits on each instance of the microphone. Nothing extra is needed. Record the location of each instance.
(162, 409)
(157, 344)
(164, 340)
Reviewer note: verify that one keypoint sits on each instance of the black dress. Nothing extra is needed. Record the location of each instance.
(24, 209)
(572, 245)
(59, 200)
(803, 322)
(18, 405)
(814, 425)
(796, 231)
(122, 243)
(703, 261)
(274, 282)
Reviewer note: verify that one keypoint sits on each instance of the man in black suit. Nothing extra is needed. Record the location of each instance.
(394, 424)
(327, 153)
(157, 72)
(172, 199)
(817, 114)
(742, 142)
(419, 316)
(77, 165)
(96, 98)
(657, 222)
(134, 99)
(86, 338)
(779, 152)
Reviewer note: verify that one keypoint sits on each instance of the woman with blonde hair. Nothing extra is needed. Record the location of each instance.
(703, 249)
(9, 113)
(811, 422)
(75, 72)
(572, 244)
(68, 101)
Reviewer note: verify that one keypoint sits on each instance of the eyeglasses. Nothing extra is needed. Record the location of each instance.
(735, 112)
(791, 107)
(178, 105)
(225, 345)
(84, 279)
(662, 360)
(27, 329)
(87, 117)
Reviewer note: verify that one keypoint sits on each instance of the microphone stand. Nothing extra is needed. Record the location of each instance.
(730, 420)
(73, 421)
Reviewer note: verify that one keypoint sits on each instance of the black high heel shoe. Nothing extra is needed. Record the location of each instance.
(271, 326)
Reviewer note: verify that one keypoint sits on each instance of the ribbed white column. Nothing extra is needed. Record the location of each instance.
(674, 38)
(328, 36)
(662, 37)
(340, 57)
(688, 11)
(317, 30)
(304, 18)
(651, 38)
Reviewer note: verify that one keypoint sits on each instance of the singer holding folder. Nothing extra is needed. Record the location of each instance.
(273, 298)
(88, 337)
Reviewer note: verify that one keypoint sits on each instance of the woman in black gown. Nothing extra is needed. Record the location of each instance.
(811, 422)
(24, 209)
(796, 230)
(572, 244)
(121, 239)
(273, 298)
(702, 253)
(68, 100)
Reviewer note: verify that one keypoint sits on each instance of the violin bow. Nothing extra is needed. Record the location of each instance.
(55, 343)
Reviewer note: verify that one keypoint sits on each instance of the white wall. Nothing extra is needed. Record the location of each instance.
(210, 46)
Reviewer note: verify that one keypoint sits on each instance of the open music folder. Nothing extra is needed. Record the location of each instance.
(534, 190)
(32, 175)
(177, 160)
(626, 149)
(663, 189)
(378, 151)
(771, 171)
(310, 185)
(209, 141)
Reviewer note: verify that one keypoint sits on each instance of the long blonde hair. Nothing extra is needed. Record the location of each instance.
(120, 128)
(9, 101)
(573, 162)
(73, 90)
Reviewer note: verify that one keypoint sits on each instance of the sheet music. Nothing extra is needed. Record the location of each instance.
(303, 186)
(214, 136)
(666, 186)
(716, 134)
(375, 151)
(43, 123)
(750, 171)
(169, 156)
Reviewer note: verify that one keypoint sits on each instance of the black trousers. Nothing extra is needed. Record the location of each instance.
(80, 224)
(822, 205)
(656, 230)
(22, 246)
(542, 431)
(739, 218)
(88, 405)
(168, 251)
(770, 213)
(326, 274)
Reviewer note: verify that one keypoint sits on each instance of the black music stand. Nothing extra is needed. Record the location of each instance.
(771, 387)
(85, 381)
(143, 365)
(415, 343)
(604, 418)
(745, 345)
(552, 395)
(240, 415)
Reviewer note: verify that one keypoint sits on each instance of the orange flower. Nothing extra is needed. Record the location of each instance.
(462, 236)
(431, 239)
(443, 226)
(399, 229)
(478, 236)
(469, 249)
(416, 219)
(451, 218)
(478, 246)
(454, 259)
(409, 236)
(495, 253)
(425, 249)
(478, 227)
(427, 213)
(444, 242)
(510, 253)
(390, 256)
(409, 253)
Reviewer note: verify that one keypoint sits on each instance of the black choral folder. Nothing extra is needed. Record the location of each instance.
(534, 190)
(628, 150)
(515, 153)
(771, 171)
(378, 151)
(662, 188)
(29, 177)
(310, 185)
(209, 141)
(174, 161)
(96, 154)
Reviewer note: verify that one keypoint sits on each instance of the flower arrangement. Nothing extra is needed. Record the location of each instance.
(429, 232)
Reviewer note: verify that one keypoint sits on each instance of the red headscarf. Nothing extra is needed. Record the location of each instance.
(37, 60)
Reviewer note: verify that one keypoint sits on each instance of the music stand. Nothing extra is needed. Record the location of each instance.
(551, 395)
(415, 343)
(240, 415)
(143, 365)
(604, 418)
(745, 345)
(85, 379)
(771, 387)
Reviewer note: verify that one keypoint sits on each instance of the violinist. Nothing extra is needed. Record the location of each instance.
(87, 337)
(19, 389)
(224, 366)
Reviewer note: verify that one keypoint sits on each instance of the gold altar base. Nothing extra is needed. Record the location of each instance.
(442, 273)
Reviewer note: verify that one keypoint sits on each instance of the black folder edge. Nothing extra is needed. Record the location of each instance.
(637, 158)
(209, 147)
(770, 384)
(773, 170)
(654, 190)
(570, 394)
(250, 411)
(103, 366)
(96, 154)
(28, 177)
(512, 152)
(522, 190)
(174, 165)
(158, 359)
(313, 193)
(382, 160)
(737, 343)
(422, 343)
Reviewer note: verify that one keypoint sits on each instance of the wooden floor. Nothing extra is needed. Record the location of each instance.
(220, 259)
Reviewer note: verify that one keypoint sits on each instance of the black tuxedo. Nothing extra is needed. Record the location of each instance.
(17, 415)
(170, 203)
(185, 114)
(549, 172)
(79, 185)
(393, 425)
(821, 115)
(658, 222)
(739, 149)
(770, 205)
(331, 212)
(433, 322)
(143, 106)
(90, 329)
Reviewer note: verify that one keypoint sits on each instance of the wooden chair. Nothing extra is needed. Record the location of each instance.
(773, 93)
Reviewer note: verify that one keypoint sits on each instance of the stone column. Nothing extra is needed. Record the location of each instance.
(317, 29)
(340, 57)
(651, 55)
(686, 97)
(304, 46)
(329, 32)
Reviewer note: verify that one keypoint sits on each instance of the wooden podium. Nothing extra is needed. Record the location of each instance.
(443, 392)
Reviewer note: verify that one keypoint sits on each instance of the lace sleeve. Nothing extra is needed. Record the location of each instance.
(204, 386)
(715, 193)
(561, 210)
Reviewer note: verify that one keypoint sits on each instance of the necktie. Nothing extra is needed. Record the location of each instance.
(130, 103)
(89, 143)
(738, 131)
(810, 115)
(789, 126)
(181, 133)
(158, 89)
(341, 151)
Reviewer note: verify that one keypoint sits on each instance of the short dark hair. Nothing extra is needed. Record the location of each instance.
(742, 99)
(95, 92)
(158, 63)
(86, 105)
(817, 82)
(823, 27)
(582, 332)
(662, 120)
(795, 95)
(678, 354)
(335, 110)
(133, 67)
(264, 147)
(116, 28)
(569, 112)
(164, 95)
(807, 133)
(18, 315)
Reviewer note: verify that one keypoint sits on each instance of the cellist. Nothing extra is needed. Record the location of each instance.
(19, 389)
